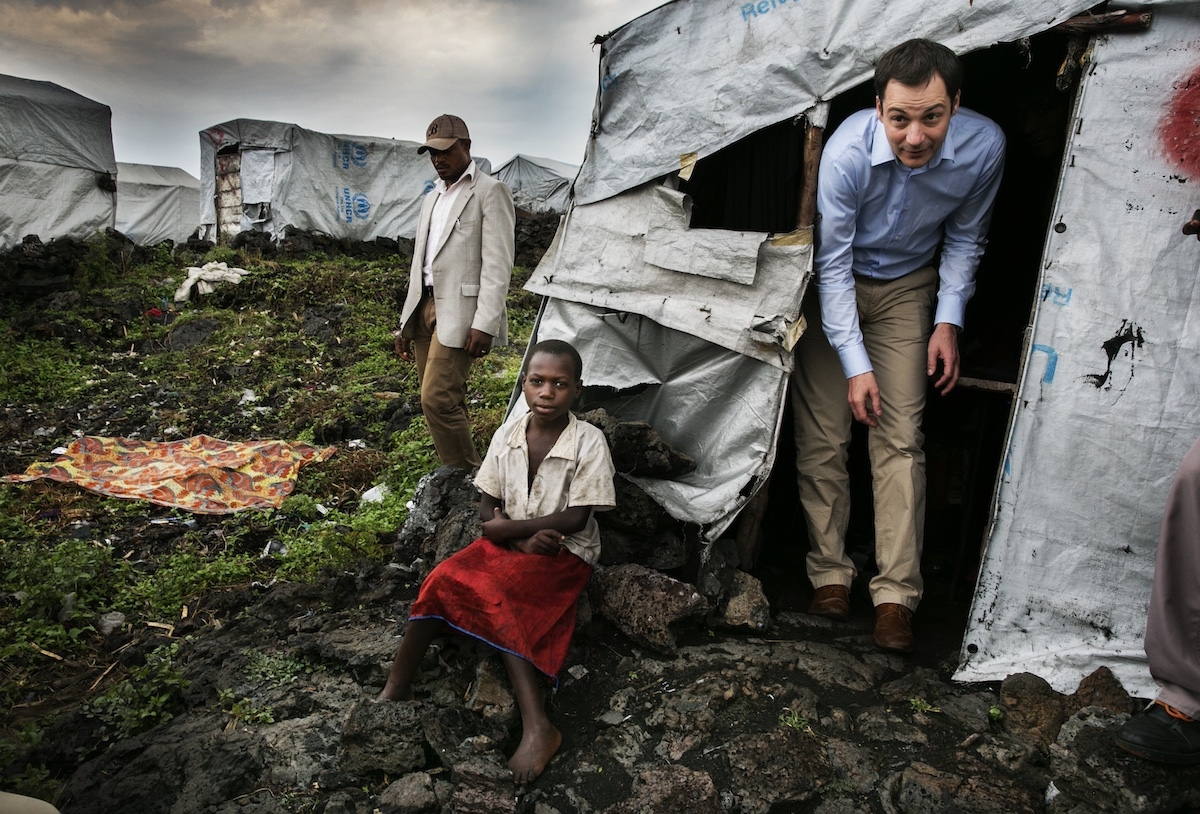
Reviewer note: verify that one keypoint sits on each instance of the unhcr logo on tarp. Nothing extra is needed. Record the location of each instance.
(353, 205)
(347, 153)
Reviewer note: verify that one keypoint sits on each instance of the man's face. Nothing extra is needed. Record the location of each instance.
(451, 163)
(916, 120)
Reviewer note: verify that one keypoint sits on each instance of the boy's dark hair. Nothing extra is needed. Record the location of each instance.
(915, 62)
(557, 347)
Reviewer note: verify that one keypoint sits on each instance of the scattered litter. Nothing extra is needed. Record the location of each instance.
(375, 494)
(357, 443)
(248, 397)
(577, 671)
(108, 622)
(274, 548)
(205, 278)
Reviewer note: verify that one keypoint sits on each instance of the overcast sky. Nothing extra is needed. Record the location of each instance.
(522, 73)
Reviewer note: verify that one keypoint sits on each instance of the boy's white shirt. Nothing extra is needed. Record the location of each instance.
(577, 471)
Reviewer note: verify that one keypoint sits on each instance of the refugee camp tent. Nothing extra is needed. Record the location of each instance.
(538, 184)
(57, 168)
(156, 203)
(270, 177)
(680, 266)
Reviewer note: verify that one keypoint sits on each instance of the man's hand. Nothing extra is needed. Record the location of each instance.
(864, 399)
(478, 344)
(546, 541)
(403, 348)
(943, 347)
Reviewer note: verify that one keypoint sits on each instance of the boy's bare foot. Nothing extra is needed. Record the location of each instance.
(392, 695)
(535, 751)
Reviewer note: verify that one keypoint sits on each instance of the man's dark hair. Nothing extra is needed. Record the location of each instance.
(915, 63)
(557, 347)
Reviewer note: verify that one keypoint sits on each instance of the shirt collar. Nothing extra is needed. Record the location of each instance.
(564, 447)
(467, 175)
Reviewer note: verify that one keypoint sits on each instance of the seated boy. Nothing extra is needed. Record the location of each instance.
(516, 587)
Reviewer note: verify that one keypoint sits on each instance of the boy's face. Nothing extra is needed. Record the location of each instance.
(550, 386)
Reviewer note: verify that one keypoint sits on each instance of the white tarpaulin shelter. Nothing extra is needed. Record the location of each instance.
(56, 162)
(1107, 406)
(538, 184)
(156, 203)
(692, 327)
(270, 176)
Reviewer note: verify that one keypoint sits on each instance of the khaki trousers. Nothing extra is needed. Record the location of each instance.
(442, 373)
(1173, 624)
(896, 317)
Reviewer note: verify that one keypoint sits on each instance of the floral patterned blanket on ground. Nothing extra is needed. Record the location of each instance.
(200, 474)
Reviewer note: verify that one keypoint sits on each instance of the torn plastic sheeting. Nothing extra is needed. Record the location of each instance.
(258, 176)
(707, 74)
(598, 258)
(717, 253)
(720, 407)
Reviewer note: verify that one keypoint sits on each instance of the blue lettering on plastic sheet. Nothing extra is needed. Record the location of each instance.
(347, 153)
(429, 184)
(762, 7)
(354, 205)
(609, 81)
(1051, 362)
(1056, 295)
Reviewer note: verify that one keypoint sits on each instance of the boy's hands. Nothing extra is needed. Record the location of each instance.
(496, 528)
(546, 541)
(515, 534)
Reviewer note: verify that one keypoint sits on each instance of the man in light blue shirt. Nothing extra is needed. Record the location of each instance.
(904, 197)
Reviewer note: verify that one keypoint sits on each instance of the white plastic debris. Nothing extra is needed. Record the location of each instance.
(205, 278)
(375, 494)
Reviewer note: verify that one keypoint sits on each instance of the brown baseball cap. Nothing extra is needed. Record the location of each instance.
(443, 131)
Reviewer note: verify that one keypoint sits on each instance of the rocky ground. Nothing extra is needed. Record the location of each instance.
(661, 711)
(690, 687)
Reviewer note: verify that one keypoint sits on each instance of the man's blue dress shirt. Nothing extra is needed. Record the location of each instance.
(882, 220)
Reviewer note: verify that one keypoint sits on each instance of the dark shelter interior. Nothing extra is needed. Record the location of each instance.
(756, 184)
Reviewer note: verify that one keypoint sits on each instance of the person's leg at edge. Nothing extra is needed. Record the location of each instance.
(540, 739)
(897, 322)
(413, 644)
(444, 401)
(1169, 729)
(821, 425)
(1173, 623)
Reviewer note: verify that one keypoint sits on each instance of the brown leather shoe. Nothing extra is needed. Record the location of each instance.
(832, 601)
(893, 627)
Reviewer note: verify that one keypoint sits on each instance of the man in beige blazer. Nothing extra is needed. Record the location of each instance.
(455, 309)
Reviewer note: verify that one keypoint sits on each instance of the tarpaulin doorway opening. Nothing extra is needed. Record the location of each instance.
(965, 432)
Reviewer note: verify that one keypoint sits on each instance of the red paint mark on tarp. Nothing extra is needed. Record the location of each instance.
(1179, 130)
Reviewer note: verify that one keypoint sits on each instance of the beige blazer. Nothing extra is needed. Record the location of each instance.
(472, 266)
